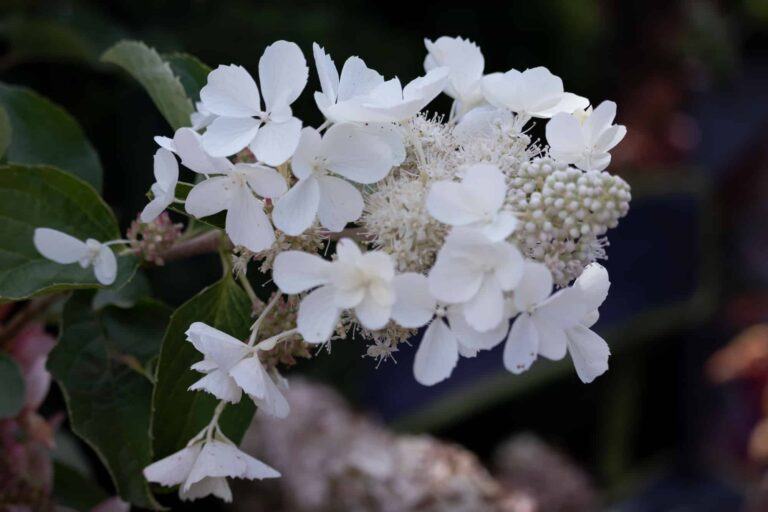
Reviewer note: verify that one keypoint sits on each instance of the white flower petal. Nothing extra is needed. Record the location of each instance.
(414, 306)
(503, 225)
(297, 271)
(166, 169)
(188, 144)
(565, 137)
(466, 64)
(246, 223)
(254, 380)
(357, 79)
(231, 92)
(228, 135)
(218, 346)
(437, 354)
(552, 339)
(522, 345)
(326, 72)
(209, 197)
(220, 459)
(592, 285)
(484, 185)
(303, 159)
(265, 181)
(451, 281)
(296, 210)
(340, 203)
(175, 468)
(589, 352)
(446, 202)
(509, 270)
(105, 266)
(356, 153)
(283, 73)
(564, 308)
(154, 208)
(372, 314)
(276, 142)
(471, 338)
(219, 384)
(599, 121)
(318, 315)
(208, 486)
(57, 246)
(534, 287)
(485, 310)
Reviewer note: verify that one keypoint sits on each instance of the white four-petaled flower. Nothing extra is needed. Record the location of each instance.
(442, 342)
(202, 469)
(246, 223)
(355, 280)
(585, 140)
(474, 272)
(345, 149)
(361, 95)
(231, 367)
(534, 92)
(476, 202)
(233, 96)
(64, 249)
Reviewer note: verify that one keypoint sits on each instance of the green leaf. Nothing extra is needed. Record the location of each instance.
(44, 133)
(98, 363)
(12, 386)
(179, 414)
(156, 76)
(191, 71)
(74, 490)
(41, 196)
(125, 297)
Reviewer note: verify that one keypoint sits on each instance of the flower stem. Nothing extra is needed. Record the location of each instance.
(257, 324)
(269, 343)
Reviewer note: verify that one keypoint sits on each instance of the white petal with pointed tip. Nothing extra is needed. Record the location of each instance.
(175, 468)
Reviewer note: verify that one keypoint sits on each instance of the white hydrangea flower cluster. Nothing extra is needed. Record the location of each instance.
(471, 225)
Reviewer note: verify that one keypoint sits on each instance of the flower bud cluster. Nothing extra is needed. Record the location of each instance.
(152, 239)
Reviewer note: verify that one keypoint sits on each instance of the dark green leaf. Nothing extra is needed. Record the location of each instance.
(190, 70)
(125, 297)
(156, 76)
(98, 363)
(12, 387)
(41, 196)
(44, 133)
(74, 490)
(179, 414)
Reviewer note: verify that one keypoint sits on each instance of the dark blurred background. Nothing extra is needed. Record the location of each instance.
(669, 427)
